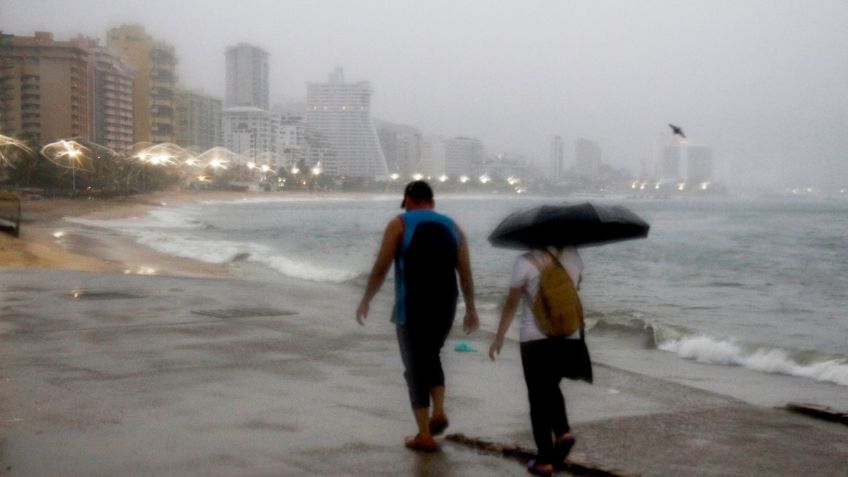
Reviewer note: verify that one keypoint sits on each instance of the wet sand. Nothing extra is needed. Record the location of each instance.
(106, 371)
(47, 241)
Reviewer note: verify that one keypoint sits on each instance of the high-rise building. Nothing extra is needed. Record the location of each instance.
(401, 145)
(463, 155)
(291, 139)
(45, 88)
(198, 120)
(112, 98)
(684, 161)
(588, 158)
(246, 77)
(433, 156)
(154, 88)
(342, 113)
(671, 163)
(557, 156)
(249, 131)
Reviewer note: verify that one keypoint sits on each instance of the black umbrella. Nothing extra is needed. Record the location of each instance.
(568, 224)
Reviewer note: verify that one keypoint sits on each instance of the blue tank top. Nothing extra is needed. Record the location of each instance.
(425, 267)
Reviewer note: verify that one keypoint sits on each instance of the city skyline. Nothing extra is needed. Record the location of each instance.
(755, 81)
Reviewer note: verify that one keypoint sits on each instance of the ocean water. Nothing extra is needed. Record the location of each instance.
(744, 283)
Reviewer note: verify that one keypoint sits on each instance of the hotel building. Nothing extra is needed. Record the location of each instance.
(463, 155)
(341, 112)
(246, 77)
(198, 120)
(45, 88)
(154, 88)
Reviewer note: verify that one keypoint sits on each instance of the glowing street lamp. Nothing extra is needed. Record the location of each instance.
(12, 142)
(463, 179)
(443, 178)
(485, 179)
(417, 176)
(218, 163)
(69, 154)
(394, 176)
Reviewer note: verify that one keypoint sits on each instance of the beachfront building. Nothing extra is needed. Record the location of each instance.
(463, 155)
(246, 77)
(401, 145)
(671, 163)
(112, 98)
(154, 86)
(587, 156)
(248, 131)
(341, 112)
(198, 120)
(291, 139)
(433, 156)
(557, 156)
(45, 88)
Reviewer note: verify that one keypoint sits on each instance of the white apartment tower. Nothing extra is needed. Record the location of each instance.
(463, 155)
(341, 112)
(249, 131)
(246, 77)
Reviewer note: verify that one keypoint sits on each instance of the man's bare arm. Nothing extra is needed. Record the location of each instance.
(466, 284)
(391, 240)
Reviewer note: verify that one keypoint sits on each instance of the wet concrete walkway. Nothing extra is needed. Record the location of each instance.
(109, 374)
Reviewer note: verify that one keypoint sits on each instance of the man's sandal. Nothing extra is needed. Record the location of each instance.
(423, 444)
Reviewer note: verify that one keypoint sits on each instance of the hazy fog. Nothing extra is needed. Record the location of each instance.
(763, 82)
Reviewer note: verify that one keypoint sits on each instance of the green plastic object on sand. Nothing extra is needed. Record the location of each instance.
(464, 347)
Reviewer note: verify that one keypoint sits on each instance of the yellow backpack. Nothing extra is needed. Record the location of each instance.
(556, 307)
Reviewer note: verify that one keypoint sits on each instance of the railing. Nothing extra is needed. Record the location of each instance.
(10, 213)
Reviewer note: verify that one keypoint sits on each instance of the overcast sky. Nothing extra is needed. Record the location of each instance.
(765, 83)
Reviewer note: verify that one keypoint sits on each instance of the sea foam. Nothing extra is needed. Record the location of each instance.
(707, 349)
(157, 233)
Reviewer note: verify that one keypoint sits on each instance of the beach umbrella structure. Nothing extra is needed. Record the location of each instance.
(71, 155)
(7, 144)
(583, 224)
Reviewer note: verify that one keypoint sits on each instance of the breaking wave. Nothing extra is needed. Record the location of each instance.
(704, 348)
(149, 233)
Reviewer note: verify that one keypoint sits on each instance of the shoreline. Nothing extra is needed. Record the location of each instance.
(137, 367)
(46, 241)
(49, 242)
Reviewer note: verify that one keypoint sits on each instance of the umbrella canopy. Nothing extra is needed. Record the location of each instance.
(568, 224)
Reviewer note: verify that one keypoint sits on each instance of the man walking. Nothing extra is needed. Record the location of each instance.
(429, 251)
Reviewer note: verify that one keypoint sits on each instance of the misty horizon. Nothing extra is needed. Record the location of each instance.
(762, 83)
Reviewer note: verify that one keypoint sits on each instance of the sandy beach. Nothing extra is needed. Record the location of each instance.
(45, 243)
(117, 360)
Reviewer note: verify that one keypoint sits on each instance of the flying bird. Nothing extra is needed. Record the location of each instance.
(677, 130)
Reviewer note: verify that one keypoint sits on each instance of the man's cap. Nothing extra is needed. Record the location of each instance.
(419, 191)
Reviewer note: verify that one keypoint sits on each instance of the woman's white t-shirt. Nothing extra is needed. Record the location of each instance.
(526, 275)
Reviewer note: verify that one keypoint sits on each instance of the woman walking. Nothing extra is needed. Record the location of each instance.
(545, 359)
